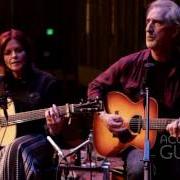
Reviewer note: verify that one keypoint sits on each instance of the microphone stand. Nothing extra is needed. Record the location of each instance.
(146, 159)
(105, 167)
(149, 67)
(74, 150)
(106, 170)
(89, 142)
(60, 155)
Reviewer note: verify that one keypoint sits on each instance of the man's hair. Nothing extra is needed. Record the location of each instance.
(171, 10)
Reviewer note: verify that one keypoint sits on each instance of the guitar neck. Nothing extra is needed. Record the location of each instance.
(27, 116)
(158, 124)
(65, 110)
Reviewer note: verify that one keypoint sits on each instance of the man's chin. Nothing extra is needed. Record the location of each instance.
(150, 45)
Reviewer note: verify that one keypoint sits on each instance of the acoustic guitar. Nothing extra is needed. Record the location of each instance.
(133, 114)
(8, 126)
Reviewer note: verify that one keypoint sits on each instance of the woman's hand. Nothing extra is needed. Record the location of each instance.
(54, 120)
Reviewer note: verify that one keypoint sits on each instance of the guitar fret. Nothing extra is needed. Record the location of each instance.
(158, 124)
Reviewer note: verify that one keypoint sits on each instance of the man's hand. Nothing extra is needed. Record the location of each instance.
(114, 122)
(117, 127)
(174, 128)
(54, 120)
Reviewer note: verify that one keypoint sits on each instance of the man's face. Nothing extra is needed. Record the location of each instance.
(159, 34)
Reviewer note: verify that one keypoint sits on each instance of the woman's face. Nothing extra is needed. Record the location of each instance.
(14, 56)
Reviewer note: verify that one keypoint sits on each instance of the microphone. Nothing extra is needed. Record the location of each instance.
(149, 67)
(147, 79)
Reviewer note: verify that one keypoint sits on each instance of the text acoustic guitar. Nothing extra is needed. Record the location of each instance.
(8, 128)
(133, 114)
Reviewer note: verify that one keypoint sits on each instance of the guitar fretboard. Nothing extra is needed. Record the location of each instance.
(27, 116)
(67, 109)
(158, 124)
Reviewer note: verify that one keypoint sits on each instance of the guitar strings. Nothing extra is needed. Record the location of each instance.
(155, 124)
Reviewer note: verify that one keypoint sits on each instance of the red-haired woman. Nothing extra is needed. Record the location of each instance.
(29, 89)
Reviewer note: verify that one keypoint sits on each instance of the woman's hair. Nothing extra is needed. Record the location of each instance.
(18, 35)
(170, 8)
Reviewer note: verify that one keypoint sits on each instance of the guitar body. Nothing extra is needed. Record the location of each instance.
(108, 145)
(8, 133)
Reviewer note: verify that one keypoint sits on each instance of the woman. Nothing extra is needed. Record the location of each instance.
(29, 89)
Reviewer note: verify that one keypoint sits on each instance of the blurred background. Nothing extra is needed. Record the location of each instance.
(77, 39)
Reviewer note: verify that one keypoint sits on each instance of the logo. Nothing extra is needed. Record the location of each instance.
(169, 147)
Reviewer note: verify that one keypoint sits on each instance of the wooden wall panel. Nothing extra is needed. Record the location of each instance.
(116, 28)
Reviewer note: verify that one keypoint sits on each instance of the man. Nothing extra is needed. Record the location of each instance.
(157, 67)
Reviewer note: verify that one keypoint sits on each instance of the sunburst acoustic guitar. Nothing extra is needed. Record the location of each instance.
(8, 126)
(133, 114)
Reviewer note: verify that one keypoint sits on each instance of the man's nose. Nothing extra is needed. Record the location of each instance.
(150, 27)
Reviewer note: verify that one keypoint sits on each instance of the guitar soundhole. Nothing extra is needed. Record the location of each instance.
(135, 124)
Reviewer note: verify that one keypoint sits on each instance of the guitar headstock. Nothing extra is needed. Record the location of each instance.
(91, 105)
